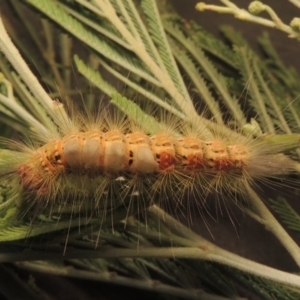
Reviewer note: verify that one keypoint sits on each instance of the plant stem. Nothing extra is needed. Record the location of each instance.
(273, 225)
(244, 15)
(13, 55)
(295, 2)
(113, 278)
(211, 253)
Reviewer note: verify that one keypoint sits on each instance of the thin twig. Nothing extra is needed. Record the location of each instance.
(254, 7)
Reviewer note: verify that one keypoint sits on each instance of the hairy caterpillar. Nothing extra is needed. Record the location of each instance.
(90, 162)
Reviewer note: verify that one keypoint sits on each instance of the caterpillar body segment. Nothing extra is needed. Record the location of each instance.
(140, 154)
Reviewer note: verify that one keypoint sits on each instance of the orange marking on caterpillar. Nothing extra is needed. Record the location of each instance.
(190, 152)
(163, 146)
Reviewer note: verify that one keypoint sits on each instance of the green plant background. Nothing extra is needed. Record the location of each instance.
(141, 256)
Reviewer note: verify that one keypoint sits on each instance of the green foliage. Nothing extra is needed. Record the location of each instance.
(286, 212)
(103, 47)
(212, 74)
(265, 289)
(156, 57)
(158, 35)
